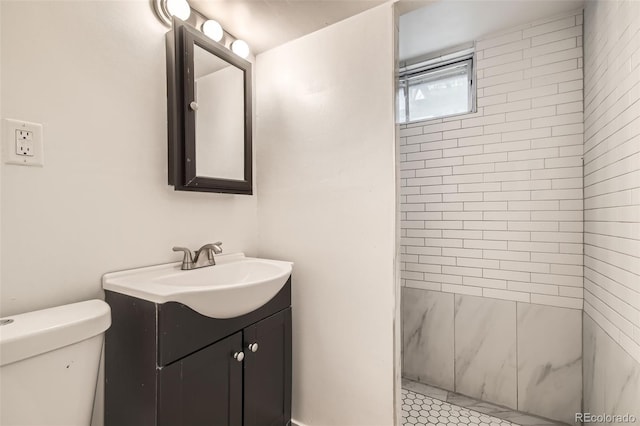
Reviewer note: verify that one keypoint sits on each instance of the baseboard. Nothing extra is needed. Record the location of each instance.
(295, 422)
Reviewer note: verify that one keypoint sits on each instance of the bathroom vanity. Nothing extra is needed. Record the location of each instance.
(169, 365)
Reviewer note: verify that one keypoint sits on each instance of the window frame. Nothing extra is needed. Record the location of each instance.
(425, 67)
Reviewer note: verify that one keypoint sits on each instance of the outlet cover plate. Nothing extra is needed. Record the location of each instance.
(11, 129)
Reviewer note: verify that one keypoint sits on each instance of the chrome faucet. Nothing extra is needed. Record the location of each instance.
(198, 260)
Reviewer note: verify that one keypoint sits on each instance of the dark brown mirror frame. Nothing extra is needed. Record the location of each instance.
(180, 92)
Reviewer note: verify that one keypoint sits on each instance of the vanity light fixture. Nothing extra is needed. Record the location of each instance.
(240, 48)
(165, 9)
(179, 8)
(213, 30)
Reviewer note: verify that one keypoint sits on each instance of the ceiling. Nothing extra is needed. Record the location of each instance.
(447, 23)
(425, 25)
(265, 24)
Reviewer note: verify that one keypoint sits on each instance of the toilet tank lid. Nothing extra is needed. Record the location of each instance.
(37, 332)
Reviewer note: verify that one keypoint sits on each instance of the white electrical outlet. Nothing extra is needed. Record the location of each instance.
(22, 142)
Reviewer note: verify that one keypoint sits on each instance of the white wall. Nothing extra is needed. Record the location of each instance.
(94, 74)
(612, 207)
(612, 170)
(492, 201)
(327, 199)
(1, 159)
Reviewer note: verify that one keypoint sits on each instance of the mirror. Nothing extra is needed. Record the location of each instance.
(209, 105)
(219, 93)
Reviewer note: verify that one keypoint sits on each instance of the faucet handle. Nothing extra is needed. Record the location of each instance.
(210, 249)
(187, 260)
(216, 248)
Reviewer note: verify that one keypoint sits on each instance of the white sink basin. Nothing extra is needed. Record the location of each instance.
(236, 285)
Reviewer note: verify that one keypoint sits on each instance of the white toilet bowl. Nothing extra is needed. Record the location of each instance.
(49, 364)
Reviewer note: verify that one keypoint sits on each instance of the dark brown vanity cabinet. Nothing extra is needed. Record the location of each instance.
(167, 365)
(266, 370)
(204, 388)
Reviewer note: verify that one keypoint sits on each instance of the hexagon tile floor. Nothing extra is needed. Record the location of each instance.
(427, 405)
(421, 410)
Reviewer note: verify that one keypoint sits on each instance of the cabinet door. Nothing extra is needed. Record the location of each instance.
(267, 371)
(204, 388)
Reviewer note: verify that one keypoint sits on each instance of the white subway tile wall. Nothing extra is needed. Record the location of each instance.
(492, 202)
(612, 170)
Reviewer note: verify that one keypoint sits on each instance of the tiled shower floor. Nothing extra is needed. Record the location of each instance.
(421, 410)
(424, 405)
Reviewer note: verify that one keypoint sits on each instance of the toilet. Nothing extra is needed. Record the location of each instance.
(49, 363)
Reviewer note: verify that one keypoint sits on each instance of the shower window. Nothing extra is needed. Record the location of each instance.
(436, 91)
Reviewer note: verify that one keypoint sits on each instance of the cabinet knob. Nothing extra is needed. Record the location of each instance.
(238, 356)
(253, 347)
(193, 105)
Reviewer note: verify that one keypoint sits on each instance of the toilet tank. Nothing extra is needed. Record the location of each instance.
(49, 364)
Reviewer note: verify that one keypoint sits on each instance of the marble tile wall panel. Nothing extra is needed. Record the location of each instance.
(593, 367)
(622, 381)
(485, 349)
(611, 375)
(549, 361)
(427, 328)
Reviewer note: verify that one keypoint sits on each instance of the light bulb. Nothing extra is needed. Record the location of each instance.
(179, 9)
(240, 48)
(213, 30)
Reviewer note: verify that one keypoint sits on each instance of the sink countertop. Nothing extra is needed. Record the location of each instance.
(234, 286)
